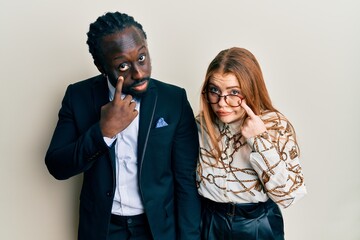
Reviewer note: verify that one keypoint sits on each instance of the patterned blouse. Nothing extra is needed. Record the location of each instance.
(252, 170)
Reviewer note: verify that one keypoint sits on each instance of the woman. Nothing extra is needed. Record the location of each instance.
(249, 156)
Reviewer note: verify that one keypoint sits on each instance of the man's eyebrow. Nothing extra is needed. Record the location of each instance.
(122, 56)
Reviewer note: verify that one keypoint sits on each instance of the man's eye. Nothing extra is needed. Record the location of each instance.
(123, 67)
(142, 58)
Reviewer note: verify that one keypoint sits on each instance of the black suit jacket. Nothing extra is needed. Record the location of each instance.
(166, 159)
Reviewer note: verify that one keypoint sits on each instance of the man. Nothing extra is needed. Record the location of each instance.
(134, 139)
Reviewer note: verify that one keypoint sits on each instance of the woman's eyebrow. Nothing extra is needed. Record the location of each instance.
(233, 87)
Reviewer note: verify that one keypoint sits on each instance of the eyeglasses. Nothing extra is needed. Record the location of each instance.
(230, 99)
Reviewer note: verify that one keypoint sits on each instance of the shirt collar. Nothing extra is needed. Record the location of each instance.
(112, 92)
(232, 128)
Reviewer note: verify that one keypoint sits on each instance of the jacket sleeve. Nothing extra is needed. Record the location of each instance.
(275, 158)
(185, 154)
(73, 150)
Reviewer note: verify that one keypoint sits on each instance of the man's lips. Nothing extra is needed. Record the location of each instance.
(140, 86)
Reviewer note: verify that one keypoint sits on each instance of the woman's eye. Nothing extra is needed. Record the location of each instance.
(123, 67)
(142, 58)
(235, 92)
(214, 90)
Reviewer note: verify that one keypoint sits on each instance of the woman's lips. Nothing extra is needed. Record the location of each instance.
(222, 113)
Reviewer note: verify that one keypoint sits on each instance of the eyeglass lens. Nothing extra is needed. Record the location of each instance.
(231, 100)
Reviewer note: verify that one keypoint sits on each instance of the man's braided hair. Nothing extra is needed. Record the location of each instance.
(108, 24)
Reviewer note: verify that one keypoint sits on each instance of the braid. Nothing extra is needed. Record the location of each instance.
(108, 24)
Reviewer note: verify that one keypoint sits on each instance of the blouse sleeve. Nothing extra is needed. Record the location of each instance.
(275, 158)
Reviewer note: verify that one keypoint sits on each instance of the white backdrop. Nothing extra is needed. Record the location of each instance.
(309, 51)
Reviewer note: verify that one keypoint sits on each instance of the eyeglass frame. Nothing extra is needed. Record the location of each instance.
(206, 92)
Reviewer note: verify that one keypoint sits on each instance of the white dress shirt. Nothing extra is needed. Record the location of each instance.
(127, 200)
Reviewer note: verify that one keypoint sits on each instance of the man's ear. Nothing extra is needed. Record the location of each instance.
(99, 67)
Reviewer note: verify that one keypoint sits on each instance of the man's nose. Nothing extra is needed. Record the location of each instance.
(137, 73)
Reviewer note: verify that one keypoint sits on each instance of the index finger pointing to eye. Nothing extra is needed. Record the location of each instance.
(118, 89)
(248, 110)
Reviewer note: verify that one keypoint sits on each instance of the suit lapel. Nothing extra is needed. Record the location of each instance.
(147, 110)
(100, 91)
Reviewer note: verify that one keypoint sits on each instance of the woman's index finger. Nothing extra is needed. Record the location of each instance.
(248, 110)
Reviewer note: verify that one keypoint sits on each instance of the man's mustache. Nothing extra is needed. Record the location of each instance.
(139, 82)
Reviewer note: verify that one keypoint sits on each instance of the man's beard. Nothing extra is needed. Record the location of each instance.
(129, 89)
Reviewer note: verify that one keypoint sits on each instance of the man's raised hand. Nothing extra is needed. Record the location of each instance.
(117, 114)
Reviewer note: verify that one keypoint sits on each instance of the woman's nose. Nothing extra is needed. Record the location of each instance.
(222, 102)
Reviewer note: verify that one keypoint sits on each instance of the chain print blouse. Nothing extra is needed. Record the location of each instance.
(251, 170)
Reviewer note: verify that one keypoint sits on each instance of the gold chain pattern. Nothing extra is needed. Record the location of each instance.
(269, 166)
